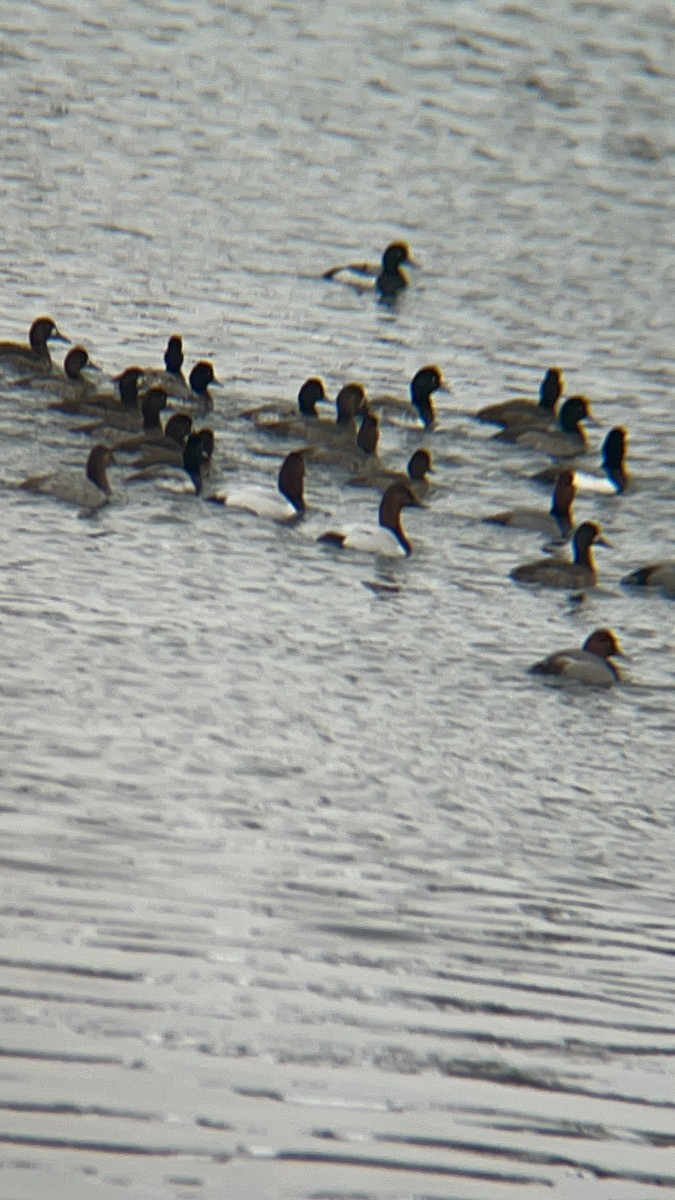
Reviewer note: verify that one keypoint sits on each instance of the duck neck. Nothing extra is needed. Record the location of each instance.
(561, 515)
(583, 554)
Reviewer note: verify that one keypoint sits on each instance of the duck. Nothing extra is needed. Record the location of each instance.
(115, 416)
(72, 384)
(152, 433)
(566, 442)
(290, 423)
(336, 437)
(201, 378)
(591, 665)
(532, 412)
(288, 505)
(659, 576)
(388, 537)
(35, 356)
(108, 404)
(414, 477)
(171, 378)
(556, 573)
(388, 279)
(614, 478)
(423, 384)
(194, 457)
(88, 491)
(341, 443)
(558, 522)
(166, 451)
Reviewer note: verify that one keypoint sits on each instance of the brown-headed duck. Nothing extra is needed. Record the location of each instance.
(558, 522)
(171, 378)
(90, 490)
(415, 475)
(660, 577)
(35, 356)
(285, 422)
(388, 536)
(520, 410)
(613, 479)
(287, 505)
(591, 665)
(567, 441)
(202, 377)
(557, 573)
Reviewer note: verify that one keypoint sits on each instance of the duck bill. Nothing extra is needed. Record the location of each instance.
(602, 541)
(58, 337)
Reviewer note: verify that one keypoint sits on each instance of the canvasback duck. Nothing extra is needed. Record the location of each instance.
(388, 537)
(288, 505)
(614, 478)
(565, 442)
(388, 279)
(658, 576)
(556, 573)
(558, 522)
(35, 356)
(286, 422)
(591, 665)
(531, 412)
(90, 490)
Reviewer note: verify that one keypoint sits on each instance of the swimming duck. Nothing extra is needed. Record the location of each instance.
(659, 576)
(171, 378)
(565, 442)
(389, 278)
(202, 377)
(290, 423)
(194, 457)
(107, 404)
(591, 665)
(612, 464)
(415, 476)
(424, 383)
(91, 490)
(328, 438)
(35, 356)
(289, 505)
(165, 451)
(531, 412)
(388, 537)
(369, 432)
(152, 433)
(72, 384)
(557, 522)
(554, 572)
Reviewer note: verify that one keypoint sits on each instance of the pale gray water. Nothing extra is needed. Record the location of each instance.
(310, 890)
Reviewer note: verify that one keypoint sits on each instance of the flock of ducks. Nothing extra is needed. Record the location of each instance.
(126, 412)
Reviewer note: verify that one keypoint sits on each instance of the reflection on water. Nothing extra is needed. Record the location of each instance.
(308, 891)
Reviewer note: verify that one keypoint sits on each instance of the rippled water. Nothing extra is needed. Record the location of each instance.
(307, 889)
